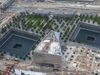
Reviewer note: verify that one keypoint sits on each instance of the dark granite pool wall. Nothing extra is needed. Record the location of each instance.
(87, 34)
(18, 43)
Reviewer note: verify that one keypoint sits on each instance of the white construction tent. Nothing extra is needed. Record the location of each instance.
(18, 72)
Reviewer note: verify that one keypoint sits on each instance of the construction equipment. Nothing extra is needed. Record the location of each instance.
(9, 69)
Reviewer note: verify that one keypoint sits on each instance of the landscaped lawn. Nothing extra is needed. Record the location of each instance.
(40, 23)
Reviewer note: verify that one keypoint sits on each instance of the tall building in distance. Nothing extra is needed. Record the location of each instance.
(5, 4)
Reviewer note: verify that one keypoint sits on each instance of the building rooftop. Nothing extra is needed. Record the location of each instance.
(50, 44)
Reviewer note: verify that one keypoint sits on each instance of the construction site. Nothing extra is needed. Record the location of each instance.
(49, 37)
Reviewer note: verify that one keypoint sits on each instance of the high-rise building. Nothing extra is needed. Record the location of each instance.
(6, 4)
